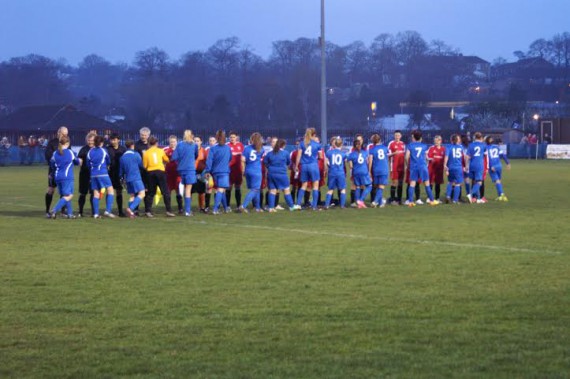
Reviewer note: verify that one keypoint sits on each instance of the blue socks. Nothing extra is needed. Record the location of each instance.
(96, 201)
(456, 193)
(250, 197)
(60, 204)
(135, 203)
(224, 200)
(357, 193)
(379, 195)
(475, 190)
(109, 202)
(429, 193)
(467, 187)
(300, 197)
(271, 199)
(411, 191)
(218, 198)
(328, 200)
(449, 190)
(188, 204)
(315, 199)
(289, 200)
(342, 199)
(69, 209)
(499, 188)
(366, 192)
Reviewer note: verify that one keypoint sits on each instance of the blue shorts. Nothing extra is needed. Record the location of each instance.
(497, 174)
(336, 182)
(65, 187)
(310, 173)
(188, 178)
(419, 173)
(253, 181)
(277, 181)
(380, 180)
(455, 175)
(476, 175)
(362, 180)
(100, 182)
(221, 180)
(135, 187)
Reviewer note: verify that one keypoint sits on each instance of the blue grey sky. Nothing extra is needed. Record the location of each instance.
(116, 29)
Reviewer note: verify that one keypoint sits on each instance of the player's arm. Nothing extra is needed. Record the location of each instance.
(506, 159)
(370, 159)
(299, 152)
(407, 160)
(445, 160)
(165, 157)
(242, 163)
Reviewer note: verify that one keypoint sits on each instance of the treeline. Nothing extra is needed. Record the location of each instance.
(229, 85)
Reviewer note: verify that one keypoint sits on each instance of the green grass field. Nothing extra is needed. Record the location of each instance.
(454, 291)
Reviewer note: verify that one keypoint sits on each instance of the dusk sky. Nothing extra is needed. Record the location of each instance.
(116, 29)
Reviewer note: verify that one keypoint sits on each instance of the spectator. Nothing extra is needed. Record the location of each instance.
(533, 144)
(4, 151)
(33, 149)
(23, 148)
(547, 140)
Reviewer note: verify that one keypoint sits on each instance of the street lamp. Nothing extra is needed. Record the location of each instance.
(535, 117)
(323, 77)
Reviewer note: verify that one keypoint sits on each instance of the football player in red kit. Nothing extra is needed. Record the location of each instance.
(172, 176)
(294, 176)
(236, 170)
(436, 156)
(397, 151)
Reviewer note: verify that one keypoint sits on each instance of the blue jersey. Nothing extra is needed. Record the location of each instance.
(130, 165)
(99, 161)
(62, 164)
(310, 153)
(252, 160)
(218, 161)
(418, 152)
(336, 158)
(185, 156)
(455, 157)
(277, 163)
(379, 154)
(359, 162)
(476, 152)
(494, 156)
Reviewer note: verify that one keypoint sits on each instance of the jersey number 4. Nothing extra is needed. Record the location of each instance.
(309, 151)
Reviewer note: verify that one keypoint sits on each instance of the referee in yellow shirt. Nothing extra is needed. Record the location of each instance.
(153, 161)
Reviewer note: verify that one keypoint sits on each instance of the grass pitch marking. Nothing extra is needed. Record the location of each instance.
(387, 239)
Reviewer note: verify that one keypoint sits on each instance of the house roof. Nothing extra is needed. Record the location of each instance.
(51, 117)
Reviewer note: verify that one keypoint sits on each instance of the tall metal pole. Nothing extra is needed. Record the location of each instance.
(324, 138)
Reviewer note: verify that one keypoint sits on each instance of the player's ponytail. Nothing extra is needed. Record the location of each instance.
(256, 141)
(63, 141)
(357, 145)
(309, 133)
(188, 136)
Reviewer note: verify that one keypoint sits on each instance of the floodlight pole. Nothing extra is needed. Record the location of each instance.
(324, 138)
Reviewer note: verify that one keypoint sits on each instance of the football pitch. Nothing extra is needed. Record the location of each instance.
(450, 291)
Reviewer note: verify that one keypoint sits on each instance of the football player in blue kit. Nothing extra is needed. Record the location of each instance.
(251, 159)
(130, 166)
(494, 156)
(277, 162)
(335, 159)
(358, 162)
(309, 152)
(453, 166)
(61, 164)
(474, 162)
(417, 162)
(379, 168)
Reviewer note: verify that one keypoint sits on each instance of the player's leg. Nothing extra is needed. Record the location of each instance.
(161, 179)
(151, 193)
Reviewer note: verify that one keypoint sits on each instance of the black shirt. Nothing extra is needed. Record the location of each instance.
(115, 157)
(83, 156)
(141, 147)
(52, 146)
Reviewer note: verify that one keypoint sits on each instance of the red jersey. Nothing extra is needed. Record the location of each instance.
(171, 166)
(397, 160)
(237, 150)
(436, 155)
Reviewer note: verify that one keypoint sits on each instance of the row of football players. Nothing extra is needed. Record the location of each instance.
(144, 172)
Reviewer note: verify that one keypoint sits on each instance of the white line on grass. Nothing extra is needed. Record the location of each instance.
(358, 236)
(380, 238)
